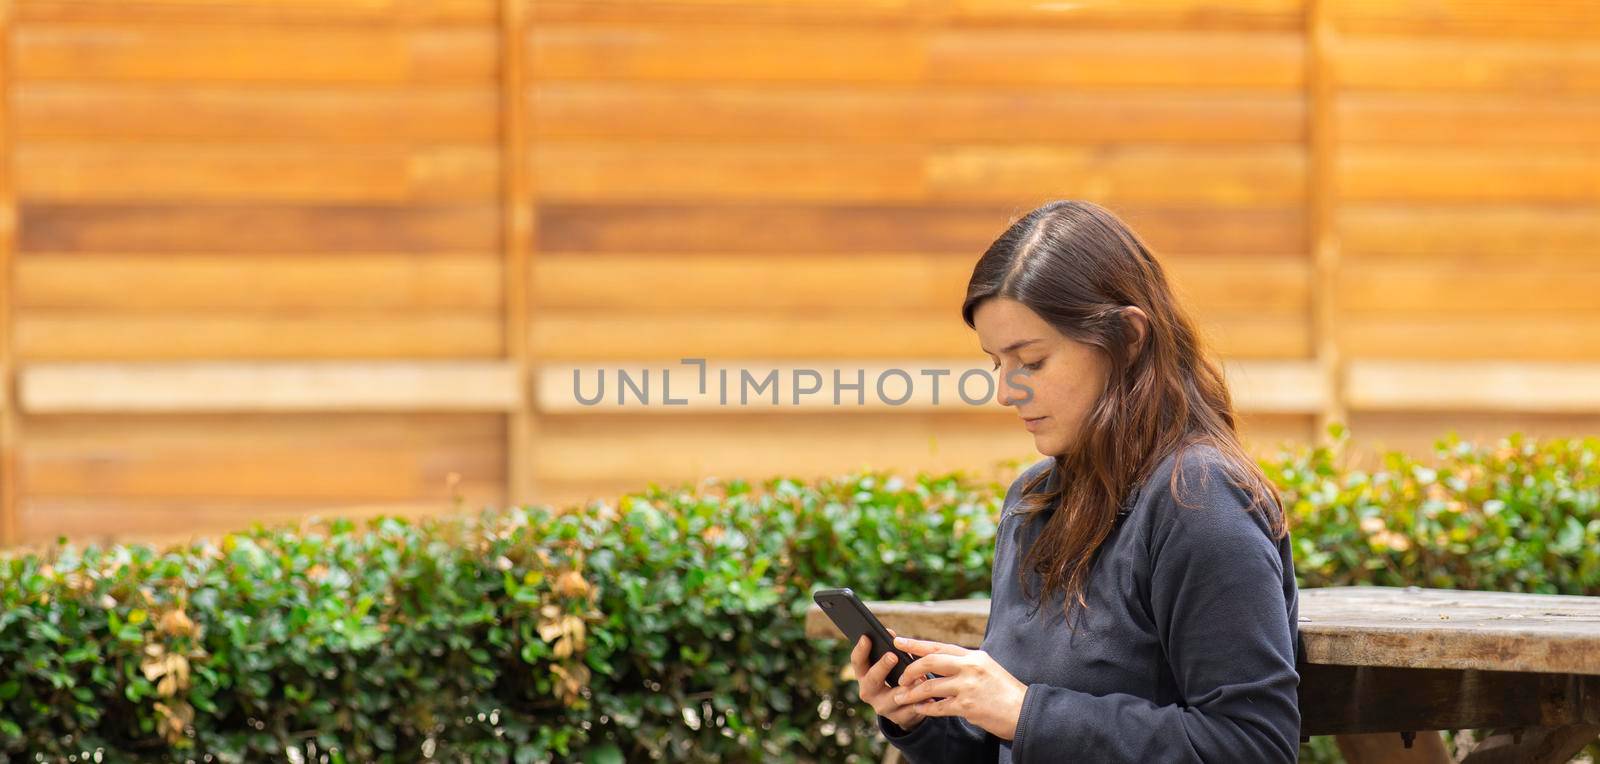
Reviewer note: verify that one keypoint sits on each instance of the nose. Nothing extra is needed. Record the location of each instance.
(1009, 395)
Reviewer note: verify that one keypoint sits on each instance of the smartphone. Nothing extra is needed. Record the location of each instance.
(853, 618)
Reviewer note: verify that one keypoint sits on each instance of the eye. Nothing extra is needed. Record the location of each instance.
(1034, 366)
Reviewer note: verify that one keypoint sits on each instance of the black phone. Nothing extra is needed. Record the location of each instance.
(853, 619)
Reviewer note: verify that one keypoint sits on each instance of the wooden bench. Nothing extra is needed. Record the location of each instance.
(1382, 664)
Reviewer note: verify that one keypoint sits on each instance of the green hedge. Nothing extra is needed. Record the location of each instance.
(666, 625)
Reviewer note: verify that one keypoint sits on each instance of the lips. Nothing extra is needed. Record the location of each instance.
(1033, 423)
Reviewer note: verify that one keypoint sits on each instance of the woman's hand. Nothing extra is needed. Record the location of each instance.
(970, 684)
(874, 688)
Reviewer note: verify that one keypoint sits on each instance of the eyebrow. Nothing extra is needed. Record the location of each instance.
(1013, 346)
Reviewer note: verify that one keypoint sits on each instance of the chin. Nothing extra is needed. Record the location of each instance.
(1049, 447)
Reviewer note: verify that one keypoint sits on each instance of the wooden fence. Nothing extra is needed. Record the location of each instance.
(262, 257)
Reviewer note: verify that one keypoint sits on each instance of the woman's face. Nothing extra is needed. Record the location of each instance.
(1065, 377)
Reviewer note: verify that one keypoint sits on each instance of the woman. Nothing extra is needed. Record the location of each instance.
(1143, 606)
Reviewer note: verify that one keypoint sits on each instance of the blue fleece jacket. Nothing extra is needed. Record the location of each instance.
(1187, 652)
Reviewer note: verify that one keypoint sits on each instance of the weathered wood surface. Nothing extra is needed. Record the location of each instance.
(1363, 626)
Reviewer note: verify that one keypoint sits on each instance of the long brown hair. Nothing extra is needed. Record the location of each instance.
(1079, 267)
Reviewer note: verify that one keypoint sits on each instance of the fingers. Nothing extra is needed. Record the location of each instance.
(938, 663)
(877, 677)
(925, 647)
(942, 687)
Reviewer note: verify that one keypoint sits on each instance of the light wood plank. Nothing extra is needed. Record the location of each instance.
(735, 51)
(205, 387)
(729, 51)
(1413, 63)
(182, 519)
(903, 438)
(1178, 14)
(155, 52)
(256, 11)
(1492, 337)
(907, 385)
(1460, 121)
(1417, 432)
(466, 281)
(1552, 387)
(1099, 14)
(335, 459)
(153, 173)
(1425, 18)
(1471, 235)
(608, 173)
(1275, 286)
(758, 229)
(908, 115)
(1187, 60)
(1445, 287)
(590, 336)
(274, 228)
(1261, 176)
(1255, 177)
(1466, 175)
(116, 112)
(146, 336)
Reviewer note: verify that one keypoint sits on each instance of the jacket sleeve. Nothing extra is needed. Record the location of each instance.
(1218, 599)
(952, 738)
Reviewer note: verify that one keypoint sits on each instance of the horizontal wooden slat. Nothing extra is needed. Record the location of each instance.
(606, 449)
(280, 283)
(117, 112)
(181, 519)
(575, 335)
(347, 458)
(912, 114)
(610, 172)
(1414, 174)
(725, 51)
(203, 387)
(1408, 63)
(272, 228)
(254, 53)
(1417, 432)
(1378, 289)
(757, 229)
(1471, 234)
(1100, 14)
(907, 386)
(1555, 387)
(1181, 14)
(57, 172)
(52, 336)
(824, 282)
(954, 56)
(1489, 337)
(1420, 18)
(252, 11)
(1189, 59)
(1468, 120)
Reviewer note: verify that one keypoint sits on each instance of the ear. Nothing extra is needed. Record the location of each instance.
(1140, 323)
